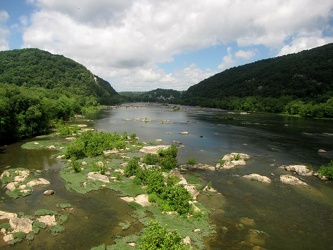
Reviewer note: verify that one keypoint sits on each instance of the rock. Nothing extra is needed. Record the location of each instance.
(192, 189)
(177, 142)
(97, 177)
(153, 149)
(247, 221)
(198, 166)
(39, 181)
(239, 162)
(131, 244)
(142, 199)
(8, 237)
(197, 230)
(127, 199)
(299, 169)
(7, 215)
(21, 175)
(258, 177)
(232, 160)
(291, 180)
(187, 240)
(159, 140)
(83, 163)
(5, 174)
(12, 186)
(21, 225)
(48, 220)
(49, 192)
(184, 133)
(321, 151)
(110, 152)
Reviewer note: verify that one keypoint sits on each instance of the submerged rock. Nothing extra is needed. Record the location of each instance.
(299, 169)
(291, 180)
(258, 177)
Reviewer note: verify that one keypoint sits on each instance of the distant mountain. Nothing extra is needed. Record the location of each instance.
(307, 74)
(38, 68)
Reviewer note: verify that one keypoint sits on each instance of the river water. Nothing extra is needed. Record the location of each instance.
(283, 216)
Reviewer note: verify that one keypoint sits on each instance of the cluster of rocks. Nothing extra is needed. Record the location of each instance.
(19, 180)
(232, 160)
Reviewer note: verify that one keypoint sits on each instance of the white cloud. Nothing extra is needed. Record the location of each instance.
(247, 55)
(124, 40)
(227, 61)
(304, 42)
(4, 31)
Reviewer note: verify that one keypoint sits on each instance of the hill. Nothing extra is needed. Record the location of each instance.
(298, 84)
(38, 88)
(38, 68)
(305, 74)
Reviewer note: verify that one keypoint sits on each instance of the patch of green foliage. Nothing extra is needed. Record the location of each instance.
(132, 167)
(41, 212)
(124, 225)
(66, 129)
(156, 236)
(64, 205)
(326, 171)
(18, 237)
(37, 225)
(5, 226)
(191, 161)
(194, 179)
(56, 229)
(92, 143)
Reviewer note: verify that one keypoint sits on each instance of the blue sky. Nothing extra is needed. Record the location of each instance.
(140, 45)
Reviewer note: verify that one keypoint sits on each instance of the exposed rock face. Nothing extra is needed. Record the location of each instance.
(299, 169)
(98, 177)
(291, 180)
(258, 177)
(153, 149)
(198, 166)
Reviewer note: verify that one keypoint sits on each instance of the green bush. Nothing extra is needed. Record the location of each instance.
(172, 151)
(156, 236)
(191, 161)
(132, 167)
(168, 162)
(75, 165)
(326, 171)
(150, 159)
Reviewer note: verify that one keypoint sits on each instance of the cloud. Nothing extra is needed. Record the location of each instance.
(227, 61)
(118, 37)
(4, 31)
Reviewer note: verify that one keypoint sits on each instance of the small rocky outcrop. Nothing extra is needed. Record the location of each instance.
(257, 177)
(231, 160)
(48, 220)
(299, 169)
(98, 177)
(198, 166)
(153, 149)
(48, 192)
(291, 180)
(38, 181)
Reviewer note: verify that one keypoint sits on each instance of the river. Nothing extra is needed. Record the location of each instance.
(289, 217)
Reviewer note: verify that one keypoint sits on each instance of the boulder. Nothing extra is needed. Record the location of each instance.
(49, 192)
(7, 215)
(38, 181)
(321, 151)
(21, 224)
(291, 180)
(299, 169)
(184, 133)
(153, 149)
(48, 220)
(98, 177)
(258, 177)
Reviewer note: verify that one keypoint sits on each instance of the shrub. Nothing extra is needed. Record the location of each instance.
(171, 151)
(75, 165)
(168, 162)
(150, 159)
(156, 236)
(132, 167)
(191, 161)
(326, 171)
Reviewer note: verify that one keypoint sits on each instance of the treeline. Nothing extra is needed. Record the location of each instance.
(284, 104)
(37, 88)
(157, 95)
(28, 111)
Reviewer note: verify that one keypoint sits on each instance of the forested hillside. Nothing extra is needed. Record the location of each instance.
(157, 95)
(303, 80)
(37, 87)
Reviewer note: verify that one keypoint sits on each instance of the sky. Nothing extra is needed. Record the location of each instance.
(141, 45)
